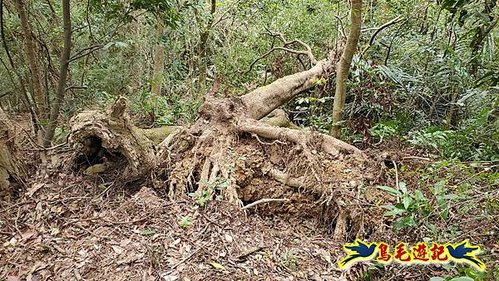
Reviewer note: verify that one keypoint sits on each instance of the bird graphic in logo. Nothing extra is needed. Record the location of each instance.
(464, 252)
(357, 251)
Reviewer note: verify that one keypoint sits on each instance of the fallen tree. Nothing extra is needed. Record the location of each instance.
(228, 153)
(107, 140)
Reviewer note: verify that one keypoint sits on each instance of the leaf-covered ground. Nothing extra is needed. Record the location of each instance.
(70, 227)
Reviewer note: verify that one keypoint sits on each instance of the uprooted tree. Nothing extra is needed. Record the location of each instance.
(233, 151)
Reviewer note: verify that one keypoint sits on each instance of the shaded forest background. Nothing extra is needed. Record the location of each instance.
(430, 75)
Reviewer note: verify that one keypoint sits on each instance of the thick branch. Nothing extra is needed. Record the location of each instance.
(264, 100)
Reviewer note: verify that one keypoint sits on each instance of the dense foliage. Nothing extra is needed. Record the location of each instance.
(431, 75)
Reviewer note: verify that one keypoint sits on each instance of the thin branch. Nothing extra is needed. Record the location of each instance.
(386, 25)
(286, 48)
(87, 18)
(286, 43)
(2, 31)
(378, 31)
(340, 26)
(85, 52)
(74, 87)
(416, 158)
(222, 16)
(25, 97)
(5, 94)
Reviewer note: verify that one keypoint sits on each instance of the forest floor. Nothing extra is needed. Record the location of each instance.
(67, 226)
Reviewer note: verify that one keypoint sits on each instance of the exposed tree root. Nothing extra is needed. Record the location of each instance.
(279, 118)
(227, 155)
(327, 143)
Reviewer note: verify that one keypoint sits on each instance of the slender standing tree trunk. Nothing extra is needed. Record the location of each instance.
(159, 59)
(61, 86)
(203, 45)
(22, 87)
(29, 49)
(343, 67)
(450, 118)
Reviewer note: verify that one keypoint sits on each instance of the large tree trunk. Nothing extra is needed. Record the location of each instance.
(343, 67)
(30, 51)
(61, 87)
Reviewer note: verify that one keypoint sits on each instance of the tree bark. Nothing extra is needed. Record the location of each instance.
(106, 137)
(41, 106)
(159, 59)
(203, 45)
(343, 67)
(11, 169)
(61, 86)
(264, 100)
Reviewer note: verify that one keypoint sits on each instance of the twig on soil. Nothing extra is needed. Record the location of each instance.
(106, 189)
(189, 256)
(17, 205)
(243, 257)
(16, 226)
(265, 200)
(397, 180)
(108, 223)
(415, 158)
